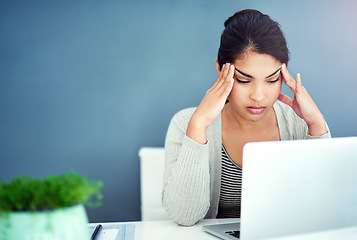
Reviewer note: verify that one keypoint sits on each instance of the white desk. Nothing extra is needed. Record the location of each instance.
(168, 230)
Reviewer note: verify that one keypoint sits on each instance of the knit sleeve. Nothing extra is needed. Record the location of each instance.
(186, 192)
(291, 126)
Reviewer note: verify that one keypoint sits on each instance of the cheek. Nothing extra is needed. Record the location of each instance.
(236, 92)
(275, 90)
(278, 89)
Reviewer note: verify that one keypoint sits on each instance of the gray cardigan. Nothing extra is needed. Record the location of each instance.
(192, 176)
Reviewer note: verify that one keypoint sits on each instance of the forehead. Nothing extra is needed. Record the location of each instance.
(257, 64)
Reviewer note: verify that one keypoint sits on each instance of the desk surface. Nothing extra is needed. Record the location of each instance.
(164, 230)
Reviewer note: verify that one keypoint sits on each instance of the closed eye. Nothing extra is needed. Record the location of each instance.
(247, 81)
(274, 81)
(242, 81)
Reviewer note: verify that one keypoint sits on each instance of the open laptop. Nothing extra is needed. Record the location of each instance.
(293, 187)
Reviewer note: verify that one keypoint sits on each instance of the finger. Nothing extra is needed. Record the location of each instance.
(285, 99)
(286, 73)
(227, 75)
(287, 78)
(227, 85)
(229, 79)
(225, 71)
(300, 89)
(220, 73)
(230, 73)
(298, 81)
(220, 78)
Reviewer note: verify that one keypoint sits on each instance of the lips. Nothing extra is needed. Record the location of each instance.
(256, 110)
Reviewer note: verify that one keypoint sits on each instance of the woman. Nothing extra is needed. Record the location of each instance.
(204, 145)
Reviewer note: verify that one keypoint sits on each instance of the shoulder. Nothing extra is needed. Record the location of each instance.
(283, 108)
(286, 112)
(291, 126)
(184, 114)
(181, 118)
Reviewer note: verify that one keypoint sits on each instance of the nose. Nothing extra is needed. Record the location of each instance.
(257, 93)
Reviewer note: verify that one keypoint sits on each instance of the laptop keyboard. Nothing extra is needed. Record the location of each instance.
(234, 233)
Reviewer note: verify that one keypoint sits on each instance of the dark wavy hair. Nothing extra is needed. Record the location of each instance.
(251, 30)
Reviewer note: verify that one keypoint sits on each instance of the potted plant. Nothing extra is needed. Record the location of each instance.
(49, 208)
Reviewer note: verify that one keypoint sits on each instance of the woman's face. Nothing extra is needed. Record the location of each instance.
(256, 87)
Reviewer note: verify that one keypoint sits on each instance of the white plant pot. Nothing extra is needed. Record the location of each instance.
(61, 224)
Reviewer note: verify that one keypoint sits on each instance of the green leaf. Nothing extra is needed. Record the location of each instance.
(54, 191)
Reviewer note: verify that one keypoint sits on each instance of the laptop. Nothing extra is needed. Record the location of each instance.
(295, 187)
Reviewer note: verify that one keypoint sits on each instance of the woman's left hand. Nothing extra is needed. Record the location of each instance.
(302, 104)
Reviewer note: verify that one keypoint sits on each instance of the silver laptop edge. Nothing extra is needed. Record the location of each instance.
(293, 187)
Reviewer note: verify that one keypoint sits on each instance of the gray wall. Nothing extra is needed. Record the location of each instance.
(85, 84)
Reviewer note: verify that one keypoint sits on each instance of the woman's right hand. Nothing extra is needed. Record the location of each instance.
(211, 105)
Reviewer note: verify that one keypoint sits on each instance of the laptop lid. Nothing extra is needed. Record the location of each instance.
(292, 187)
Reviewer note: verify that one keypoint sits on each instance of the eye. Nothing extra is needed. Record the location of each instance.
(242, 81)
(274, 81)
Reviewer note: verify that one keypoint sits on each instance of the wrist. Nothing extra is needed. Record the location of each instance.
(318, 128)
(196, 131)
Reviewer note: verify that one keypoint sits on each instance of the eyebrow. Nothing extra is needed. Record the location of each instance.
(249, 76)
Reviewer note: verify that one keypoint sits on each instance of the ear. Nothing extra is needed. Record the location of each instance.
(218, 68)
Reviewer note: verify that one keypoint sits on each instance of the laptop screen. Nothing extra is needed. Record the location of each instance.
(292, 187)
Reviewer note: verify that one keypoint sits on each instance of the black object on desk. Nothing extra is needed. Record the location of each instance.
(96, 231)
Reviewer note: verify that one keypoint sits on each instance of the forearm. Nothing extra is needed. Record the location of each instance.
(196, 131)
(186, 193)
